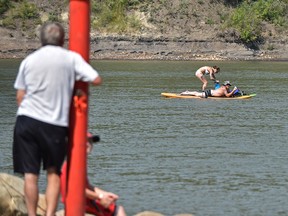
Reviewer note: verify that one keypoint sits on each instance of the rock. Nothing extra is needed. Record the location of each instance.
(12, 200)
(184, 215)
(62, 213)
(149, 213)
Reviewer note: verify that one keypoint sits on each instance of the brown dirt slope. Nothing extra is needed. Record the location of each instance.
(171, 29)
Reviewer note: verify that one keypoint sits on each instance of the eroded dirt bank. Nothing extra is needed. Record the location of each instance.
(161, 48)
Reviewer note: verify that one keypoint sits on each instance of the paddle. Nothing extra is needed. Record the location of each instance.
(252, 95)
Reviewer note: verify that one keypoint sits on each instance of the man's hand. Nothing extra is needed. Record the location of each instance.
(105, 198)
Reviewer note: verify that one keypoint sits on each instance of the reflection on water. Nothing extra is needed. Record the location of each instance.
(173, 156)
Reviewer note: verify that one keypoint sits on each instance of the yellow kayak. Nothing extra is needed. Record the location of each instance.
(175, 95)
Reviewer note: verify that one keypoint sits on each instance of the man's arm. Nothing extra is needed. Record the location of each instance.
(105, 198)
(230, 93)
(97, 81)
(20, 95)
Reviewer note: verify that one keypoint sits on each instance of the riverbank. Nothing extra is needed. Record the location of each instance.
(174, 30)
(160, 48)
(12, 200)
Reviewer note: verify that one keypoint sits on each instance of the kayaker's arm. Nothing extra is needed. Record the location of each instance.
(230, 93)
(212, 75)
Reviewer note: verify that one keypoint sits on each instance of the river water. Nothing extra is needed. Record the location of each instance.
(204, 157)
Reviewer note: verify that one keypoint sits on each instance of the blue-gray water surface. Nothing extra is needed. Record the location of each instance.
(204, 157)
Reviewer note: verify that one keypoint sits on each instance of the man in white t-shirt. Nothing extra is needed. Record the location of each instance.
(44, 85)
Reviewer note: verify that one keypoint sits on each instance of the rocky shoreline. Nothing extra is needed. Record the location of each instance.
(12, 201)
(141, 48)
(161, 48)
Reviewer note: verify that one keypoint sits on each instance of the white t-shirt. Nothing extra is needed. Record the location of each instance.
(48, 76)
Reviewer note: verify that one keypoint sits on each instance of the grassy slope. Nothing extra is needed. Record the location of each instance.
(173, 19)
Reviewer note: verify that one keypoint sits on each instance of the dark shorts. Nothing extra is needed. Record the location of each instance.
(36, 141)
(208, 93)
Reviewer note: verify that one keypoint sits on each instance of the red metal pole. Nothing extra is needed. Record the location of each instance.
(79, 41)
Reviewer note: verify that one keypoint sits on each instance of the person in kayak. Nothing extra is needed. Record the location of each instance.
(207, 70)
(223, 91)
(98, 201)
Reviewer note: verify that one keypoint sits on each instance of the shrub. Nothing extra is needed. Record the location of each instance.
(271, 10)
(28, 10)
(246, 22)
(248, 17)
(21, 14)
(111, 15)
(4, 6)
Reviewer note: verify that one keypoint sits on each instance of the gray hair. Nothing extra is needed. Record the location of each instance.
(52, 34)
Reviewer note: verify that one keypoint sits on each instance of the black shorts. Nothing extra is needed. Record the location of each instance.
(36, 141)
(208, 93)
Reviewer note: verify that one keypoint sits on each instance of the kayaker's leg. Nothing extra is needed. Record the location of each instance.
(202, 78)
(205, 82)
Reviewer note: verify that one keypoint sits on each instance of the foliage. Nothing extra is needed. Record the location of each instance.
(112, 15)
(122, 16)
(271, 10)
(53, 17)
(19, 14)
(246, 22)
(248, 17)
(27, 10)
(4, 6)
